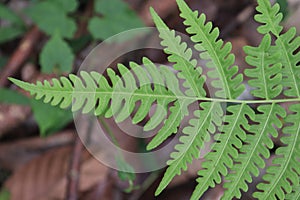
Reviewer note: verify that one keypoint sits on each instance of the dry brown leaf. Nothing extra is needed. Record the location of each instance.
(15, 154)
(39, 178)
(92, 172)
(104, 191)
(46, 176)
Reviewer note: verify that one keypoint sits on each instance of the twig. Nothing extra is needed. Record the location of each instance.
(73, 176)
(20, 55)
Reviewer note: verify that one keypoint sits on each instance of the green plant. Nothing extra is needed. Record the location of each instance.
(4, 194)
(241, 131)
(15, 26)
(57, 19)
(116, 17)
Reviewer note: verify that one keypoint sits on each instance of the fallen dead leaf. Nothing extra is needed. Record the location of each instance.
(46, 176)
(15, 154)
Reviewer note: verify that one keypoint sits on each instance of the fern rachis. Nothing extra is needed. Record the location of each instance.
(241, 131)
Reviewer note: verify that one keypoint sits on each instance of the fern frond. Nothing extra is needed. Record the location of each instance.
(295, 194)
(269, 16)
(266, 77)
(93, 92)
(192, 141)
(157, 78)
(181, 56)
(255, 150)
(227, 80)
(285, 170)
(242, 133)
(224, 148)
(177, 112)
(286, 43)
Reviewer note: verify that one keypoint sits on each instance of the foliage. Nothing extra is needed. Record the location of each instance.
(242, 130)
(117, 17)
(15, 25)
(54, 120)
(56, 56)
(48, 124)
(56, 18)
(12, 97)
(4, 194)
(52, 16)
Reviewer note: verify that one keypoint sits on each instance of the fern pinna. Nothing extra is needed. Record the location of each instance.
(242, 132)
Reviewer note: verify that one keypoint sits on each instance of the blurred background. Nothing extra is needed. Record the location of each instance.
(41, 156)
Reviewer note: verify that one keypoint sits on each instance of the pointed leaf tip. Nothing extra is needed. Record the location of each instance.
(153, 13)
(151, 146)
(15, 81)
(19, 83)
(181, 3)
(151, 9)
(158, 191)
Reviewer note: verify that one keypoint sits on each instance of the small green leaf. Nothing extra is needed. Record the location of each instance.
(9, 15)
(66, 5)
(50, 17)
(14, 27)
(12, 97)
(4, 194)
(111, 7)
(56, 56)
(9, 33)
(117, 17)
(50, 119)
(103, 28)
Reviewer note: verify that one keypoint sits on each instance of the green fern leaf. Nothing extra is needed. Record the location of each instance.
(286, 43)
(145, 102)
(269, 16)
(286, 169)
(295, 194)
(181, 56)
(254, 151)
(193, 139)
(97, 93)
(223, 150)
(228, 82)
(178, 111)
(265, 77)
(242, 132)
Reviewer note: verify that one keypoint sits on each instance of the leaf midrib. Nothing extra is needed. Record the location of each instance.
(214, 58)
(252, 152)
(286, 164)
(220, 155)
(45, 91)
(189, 80)
(282, 46)
(179, 159)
